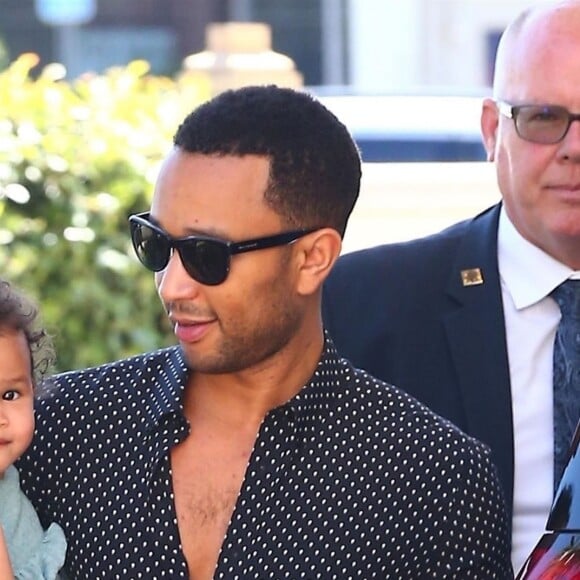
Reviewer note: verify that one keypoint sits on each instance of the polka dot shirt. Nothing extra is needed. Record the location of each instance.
(352, 478)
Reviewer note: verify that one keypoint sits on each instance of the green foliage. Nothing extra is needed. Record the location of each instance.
(75, 160)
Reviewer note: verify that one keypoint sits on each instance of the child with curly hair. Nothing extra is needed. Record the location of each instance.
(27, 551)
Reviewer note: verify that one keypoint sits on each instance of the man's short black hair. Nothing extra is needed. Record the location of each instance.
(315, 166)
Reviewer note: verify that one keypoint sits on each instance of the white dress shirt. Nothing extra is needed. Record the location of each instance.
(528, 275)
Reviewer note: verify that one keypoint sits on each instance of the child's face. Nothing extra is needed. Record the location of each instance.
(16, 398)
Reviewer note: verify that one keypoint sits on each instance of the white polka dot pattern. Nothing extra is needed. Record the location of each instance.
(350, 479)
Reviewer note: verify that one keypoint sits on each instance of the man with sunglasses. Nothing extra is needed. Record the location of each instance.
(251, 450)
(464, 320)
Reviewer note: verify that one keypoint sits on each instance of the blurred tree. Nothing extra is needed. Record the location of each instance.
(75, 160)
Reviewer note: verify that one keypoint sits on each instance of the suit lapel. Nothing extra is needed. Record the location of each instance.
(481, 361)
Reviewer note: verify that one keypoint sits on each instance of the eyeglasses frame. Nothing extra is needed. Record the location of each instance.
(512, 111)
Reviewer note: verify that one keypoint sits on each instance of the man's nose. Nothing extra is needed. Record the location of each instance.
(174, 283)
(570, 147)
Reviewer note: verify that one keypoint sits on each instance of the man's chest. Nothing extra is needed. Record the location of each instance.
(206, 478)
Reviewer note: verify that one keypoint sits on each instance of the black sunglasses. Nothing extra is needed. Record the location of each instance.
(544, 124)
(205, 259)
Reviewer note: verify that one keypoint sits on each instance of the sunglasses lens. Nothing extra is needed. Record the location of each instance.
(151, 247)
(207, 261)
(543, 124)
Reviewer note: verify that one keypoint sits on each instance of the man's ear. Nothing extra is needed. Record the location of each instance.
(318, 252)
(489, 125)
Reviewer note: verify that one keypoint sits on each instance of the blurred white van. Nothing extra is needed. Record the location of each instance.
(402, 201)
(400, 128)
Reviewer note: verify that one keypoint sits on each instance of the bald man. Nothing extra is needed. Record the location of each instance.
(463, 319)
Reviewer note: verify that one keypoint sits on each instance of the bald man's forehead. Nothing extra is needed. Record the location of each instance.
(531, 36)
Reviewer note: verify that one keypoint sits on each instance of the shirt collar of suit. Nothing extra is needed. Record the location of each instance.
(529, 273)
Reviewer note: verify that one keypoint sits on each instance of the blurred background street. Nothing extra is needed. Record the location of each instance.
(92, 92)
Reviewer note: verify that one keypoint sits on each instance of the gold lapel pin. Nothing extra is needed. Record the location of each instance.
(471, 277)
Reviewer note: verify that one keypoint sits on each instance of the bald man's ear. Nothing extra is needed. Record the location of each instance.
(318, 252)
(489, 125)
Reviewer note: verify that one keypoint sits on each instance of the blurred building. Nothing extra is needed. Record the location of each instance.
(369, 45)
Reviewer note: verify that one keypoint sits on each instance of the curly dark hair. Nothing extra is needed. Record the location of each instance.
(19, 313)
(315, 166)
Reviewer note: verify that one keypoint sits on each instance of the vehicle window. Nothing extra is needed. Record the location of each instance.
(414, 128)
(414, 150)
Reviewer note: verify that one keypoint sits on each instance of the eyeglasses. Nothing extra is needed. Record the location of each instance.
(205, 259)
(545, 124)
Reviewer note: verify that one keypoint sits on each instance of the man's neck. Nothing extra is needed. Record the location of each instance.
(244, 398)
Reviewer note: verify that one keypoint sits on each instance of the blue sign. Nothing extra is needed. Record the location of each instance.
(65, 12)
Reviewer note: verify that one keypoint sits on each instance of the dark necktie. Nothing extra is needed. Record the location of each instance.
(566, 372)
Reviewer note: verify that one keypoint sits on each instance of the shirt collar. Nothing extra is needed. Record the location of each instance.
(529, 273)
(319, 394)
(324, 389)
(165, 383)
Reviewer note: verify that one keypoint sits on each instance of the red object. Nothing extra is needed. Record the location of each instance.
(557, 554)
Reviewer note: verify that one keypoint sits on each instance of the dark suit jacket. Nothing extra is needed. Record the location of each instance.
(402, 312)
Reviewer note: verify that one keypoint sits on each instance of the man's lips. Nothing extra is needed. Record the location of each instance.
(191, 330)
(565, 192)
(573, 187)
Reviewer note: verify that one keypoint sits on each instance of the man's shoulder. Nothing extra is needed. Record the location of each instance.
(386, 276)
(395, 411)
(109, 375)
